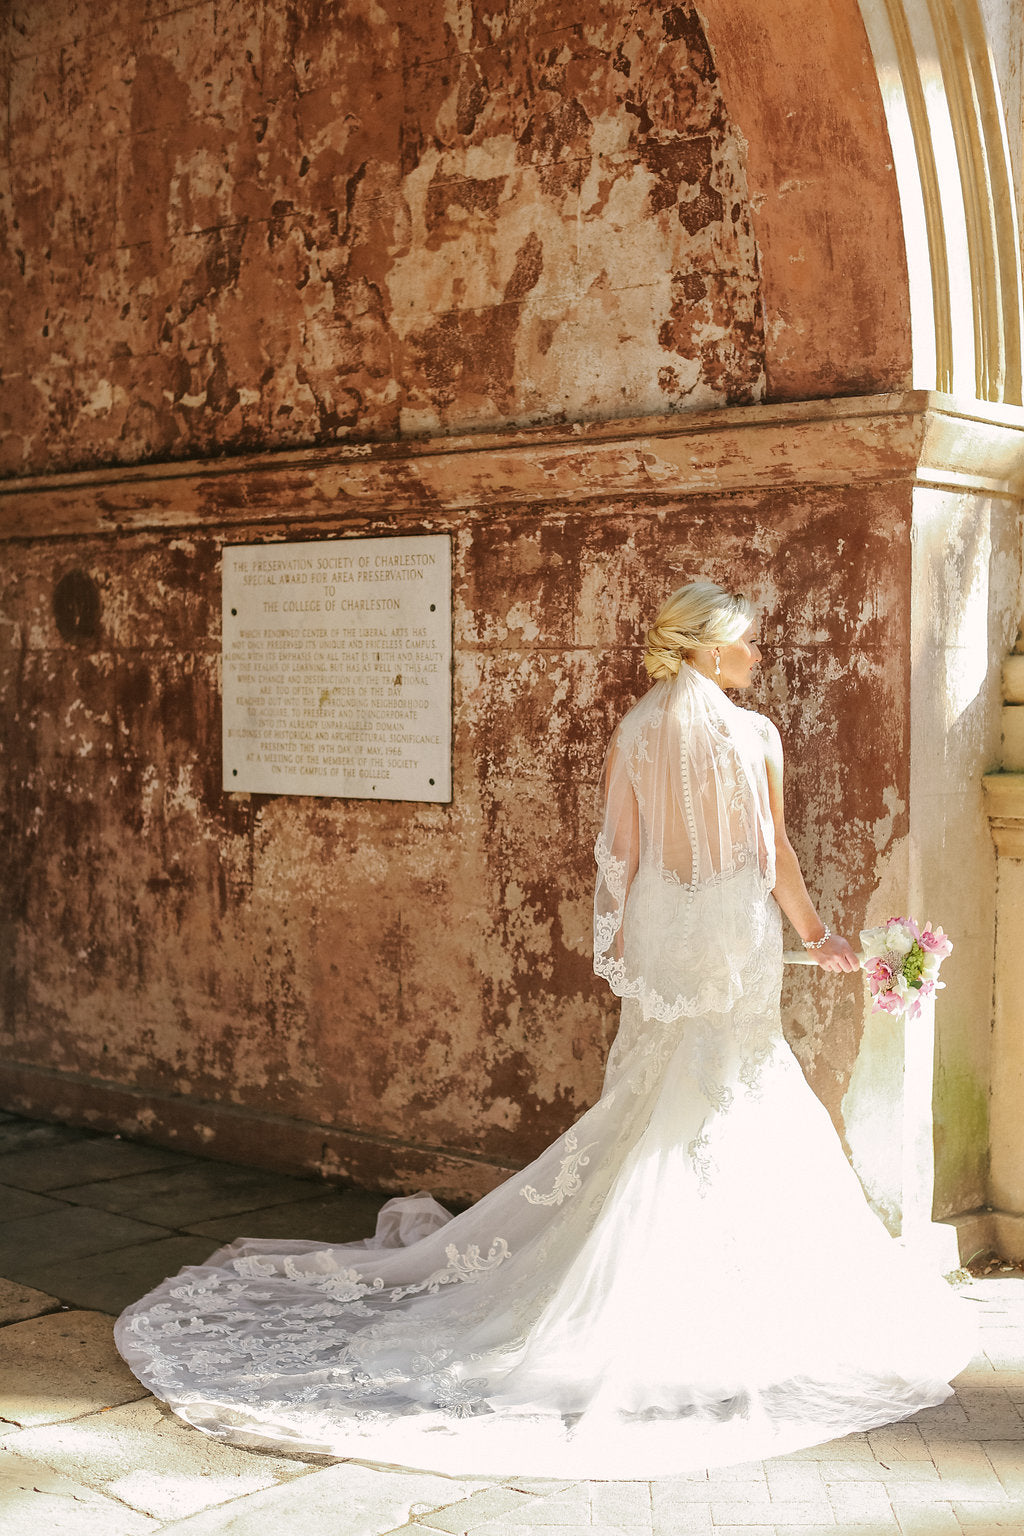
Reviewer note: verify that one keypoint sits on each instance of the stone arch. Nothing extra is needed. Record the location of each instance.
(948, 129)
(882, 188)
(800, 84)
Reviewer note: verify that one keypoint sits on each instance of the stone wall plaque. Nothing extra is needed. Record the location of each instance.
(337, 668)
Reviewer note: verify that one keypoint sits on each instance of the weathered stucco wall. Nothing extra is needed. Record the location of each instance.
(404, 991)
(234, 227)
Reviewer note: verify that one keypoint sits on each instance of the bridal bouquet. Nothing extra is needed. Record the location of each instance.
(902, 963)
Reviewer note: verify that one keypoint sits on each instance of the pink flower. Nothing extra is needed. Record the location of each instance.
(889, 1002)
(880, 975)
(934, 943)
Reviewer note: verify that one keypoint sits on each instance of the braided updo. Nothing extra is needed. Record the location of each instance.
(698, 615)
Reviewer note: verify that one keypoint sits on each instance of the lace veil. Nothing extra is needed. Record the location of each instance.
(686, 853)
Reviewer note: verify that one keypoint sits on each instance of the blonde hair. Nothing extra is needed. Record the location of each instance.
(695, 616)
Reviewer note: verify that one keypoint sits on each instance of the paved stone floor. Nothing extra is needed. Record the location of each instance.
(88, 1223)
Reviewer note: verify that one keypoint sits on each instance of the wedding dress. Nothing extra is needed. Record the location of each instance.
(690, 1276)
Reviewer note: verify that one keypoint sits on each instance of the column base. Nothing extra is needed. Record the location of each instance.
(988, 1231)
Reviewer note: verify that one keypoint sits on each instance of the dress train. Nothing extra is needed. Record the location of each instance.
(690, 1276)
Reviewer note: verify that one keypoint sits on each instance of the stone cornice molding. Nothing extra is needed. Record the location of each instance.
(918, 437)
(1004, 799)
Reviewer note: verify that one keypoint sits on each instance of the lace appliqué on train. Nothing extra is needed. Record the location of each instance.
(295, 1338)
(567, 1180)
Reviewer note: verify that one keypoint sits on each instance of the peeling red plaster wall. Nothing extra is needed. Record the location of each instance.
(232, 228)
(416, 975)
(799, 81)
(237, 227)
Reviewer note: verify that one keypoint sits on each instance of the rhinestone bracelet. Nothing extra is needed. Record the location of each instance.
(817, 943)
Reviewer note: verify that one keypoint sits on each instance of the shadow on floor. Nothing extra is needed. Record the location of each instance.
(96, 1221)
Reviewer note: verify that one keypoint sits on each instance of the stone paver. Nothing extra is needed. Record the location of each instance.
(61, 1367)
(504, 1528)
(850, 1448)
(796, 1482)
(1007, 1460)
(108, 1282)
(34, 1499)
(98, 1455)
(148, 1459)
(684, 1520)
(333, 1218)
(482, 1508)
(974, 1518)
(626, 1504)
(510, 1528)
(176, 1196)
(55, 1167)
(72, 1232)
(20, 1302)
(786, 1512)
(926, 1519)
(346, 1500)
(15, 1203)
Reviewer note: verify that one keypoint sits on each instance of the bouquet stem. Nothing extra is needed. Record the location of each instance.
(801, 957)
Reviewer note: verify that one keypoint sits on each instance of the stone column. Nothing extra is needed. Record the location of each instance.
(1004, 794)
(915, 1111)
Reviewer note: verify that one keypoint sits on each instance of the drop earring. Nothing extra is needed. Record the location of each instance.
(718, 665)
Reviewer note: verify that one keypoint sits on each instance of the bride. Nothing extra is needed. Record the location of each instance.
(690, 1276)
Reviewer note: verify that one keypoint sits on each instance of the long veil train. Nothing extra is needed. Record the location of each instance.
(690, 1276)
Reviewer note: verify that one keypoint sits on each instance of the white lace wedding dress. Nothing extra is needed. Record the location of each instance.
(689, 1277)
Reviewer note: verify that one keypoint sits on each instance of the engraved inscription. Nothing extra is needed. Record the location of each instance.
(337, 668)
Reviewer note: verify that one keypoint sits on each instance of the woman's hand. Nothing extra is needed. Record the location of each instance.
(836, 955)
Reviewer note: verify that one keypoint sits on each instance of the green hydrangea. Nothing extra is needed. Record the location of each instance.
(913, 965)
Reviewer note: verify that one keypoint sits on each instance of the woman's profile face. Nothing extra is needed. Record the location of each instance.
(739, 659)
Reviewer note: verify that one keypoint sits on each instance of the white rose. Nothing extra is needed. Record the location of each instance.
(874, 942)
(930, 966)
(899, 940)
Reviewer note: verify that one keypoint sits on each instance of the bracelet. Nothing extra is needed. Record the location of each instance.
(817, 943)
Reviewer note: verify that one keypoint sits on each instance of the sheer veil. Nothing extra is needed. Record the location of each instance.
(686, 852)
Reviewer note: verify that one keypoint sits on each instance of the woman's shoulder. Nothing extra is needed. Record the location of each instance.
(763, 727)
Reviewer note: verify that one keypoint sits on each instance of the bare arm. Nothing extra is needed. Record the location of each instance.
(790, 891)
